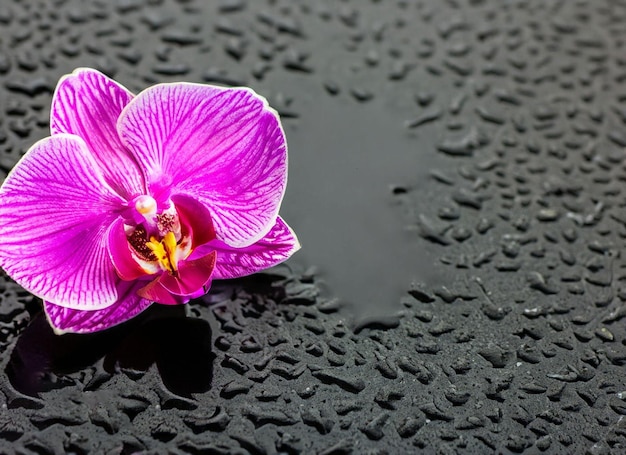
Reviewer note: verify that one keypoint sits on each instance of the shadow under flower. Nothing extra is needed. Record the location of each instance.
(180, 347)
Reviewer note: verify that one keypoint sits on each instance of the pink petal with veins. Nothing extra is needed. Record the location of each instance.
(55, 214)
(128, 305)
(223, 147)
(86, 103)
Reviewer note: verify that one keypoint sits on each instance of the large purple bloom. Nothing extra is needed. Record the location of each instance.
(141, 199)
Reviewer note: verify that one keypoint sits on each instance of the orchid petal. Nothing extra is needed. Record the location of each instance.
(277, 246)
(87, 103)
(192, 275)
(196, 218)
(119, 251)
(67, 320)
(155, 292)
(224, 147)
(55, 212)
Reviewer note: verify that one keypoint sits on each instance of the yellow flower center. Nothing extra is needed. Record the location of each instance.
(165, 252)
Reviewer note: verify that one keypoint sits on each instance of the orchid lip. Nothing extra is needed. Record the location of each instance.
(158, 241)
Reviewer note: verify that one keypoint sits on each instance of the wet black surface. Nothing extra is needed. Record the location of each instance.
(456, 180)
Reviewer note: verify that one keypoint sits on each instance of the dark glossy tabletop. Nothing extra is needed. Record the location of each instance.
(457, 182)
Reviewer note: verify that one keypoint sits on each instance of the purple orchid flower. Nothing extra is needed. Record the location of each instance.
(141, 199)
